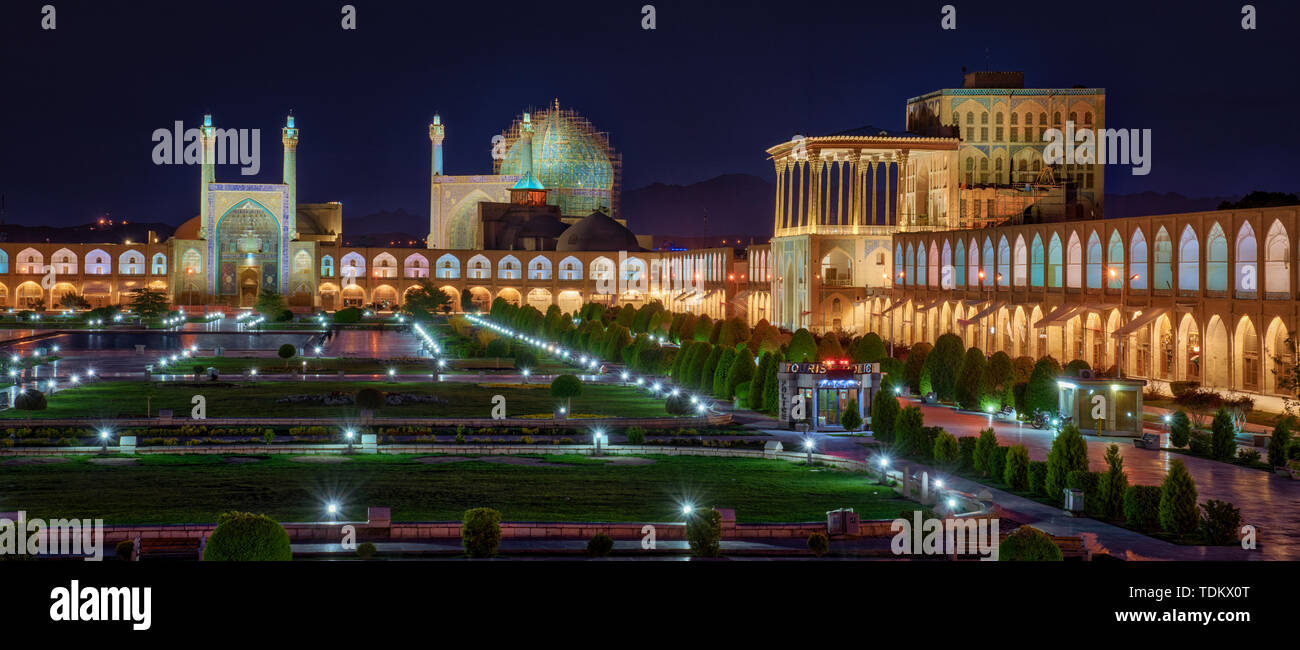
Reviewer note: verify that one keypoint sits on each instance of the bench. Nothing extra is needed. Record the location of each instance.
(174, 547)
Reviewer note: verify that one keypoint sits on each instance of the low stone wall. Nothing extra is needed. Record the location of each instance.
(717, 419)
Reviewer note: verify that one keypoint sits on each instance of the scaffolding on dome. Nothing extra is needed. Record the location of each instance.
(571, 158)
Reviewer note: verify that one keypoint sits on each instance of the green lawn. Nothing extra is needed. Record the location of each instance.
(108, 399)
(265, 365)
(578, 489)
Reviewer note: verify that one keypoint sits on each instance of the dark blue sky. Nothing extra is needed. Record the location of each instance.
(702, 95)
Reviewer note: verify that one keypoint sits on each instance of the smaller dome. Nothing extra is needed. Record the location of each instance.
(597, 232)
(528, 182)
(188, 230)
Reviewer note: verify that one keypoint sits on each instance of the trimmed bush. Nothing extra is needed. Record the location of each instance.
(850, 419)
(635, 436)
(1041, 395)
(348, 315)
(1069, 454)
(1178, 514)
(30, 400)
(997, 461)
(247, 537)
(286, 352)
(1016, 472)
(1180, 428)
(1142, 506)
(370, 398)
(947, 452)
(1198, 443)
(125, 550)
(1088, 483)
(366, 550)
(915, 363)
(1220, 523)
(984, 448)
(704, 532)
(819, 544)
(967, 446)
(1114, 482)
(480, 532)
(884, 411)
(907, 431)
(566, 387)
(942, 364)
(1028, 544)
(1223, 442)
(972, 380)
(1038, 477)
(600, 545)
(1278, 442)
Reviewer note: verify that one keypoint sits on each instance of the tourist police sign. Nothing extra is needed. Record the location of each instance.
(815, 394)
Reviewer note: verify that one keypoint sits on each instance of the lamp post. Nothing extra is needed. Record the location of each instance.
(893, 304)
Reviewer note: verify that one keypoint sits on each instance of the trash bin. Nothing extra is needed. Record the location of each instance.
(1074, 501)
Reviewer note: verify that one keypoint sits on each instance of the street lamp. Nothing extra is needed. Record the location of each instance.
(808, 447)
(103, 441)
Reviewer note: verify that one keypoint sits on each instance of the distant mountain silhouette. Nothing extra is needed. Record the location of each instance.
(736, 205)
(88, 233)
(1150, 203)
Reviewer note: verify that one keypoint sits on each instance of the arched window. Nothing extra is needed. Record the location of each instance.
(1054, 270)
(191, 262)
(1004, 263)
(130, 263)
(921, 265)
(1216, 260)
(479, 268)
(973, 276)
(448, 267)
(1162, 277)
(1021, 269)
(959, 264)
(4, 262)
(1138, 251)
(158, 264)
(385, 266)
(933, 275)
(508, 268)
(910, 267)
(1115, 262)
(1037, 262)
(571, 269)
(1277, 263)
(1247, 272)
(539, 268)
(415, 266)
(1074, 262)
(1189, 261)
(1094, 261)
(990, 263)
(327, 266)
(947, 280)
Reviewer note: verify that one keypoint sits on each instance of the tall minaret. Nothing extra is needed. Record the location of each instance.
(436, 135)
(289, 138)
(526, 150)
(207, 174)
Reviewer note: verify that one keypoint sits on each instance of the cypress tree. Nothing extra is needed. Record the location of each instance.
(741, 371)
(719, 382)
(771, 385)
(1042, 393)
(942, 365)
(758, 385)
(802, 347)
(884, 410)
(1178, 514)
(705, 381)
(1069, 454)
(696, 369)
(972, 381)
(1113, 484)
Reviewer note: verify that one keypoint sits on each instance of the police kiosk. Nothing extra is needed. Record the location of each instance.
(823, 390)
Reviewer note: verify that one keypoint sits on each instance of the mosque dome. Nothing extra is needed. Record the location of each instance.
(570, 158)
(597, 232)
(188, 230)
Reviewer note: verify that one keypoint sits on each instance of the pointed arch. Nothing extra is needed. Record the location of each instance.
(1094, 261)
(989, 266)
(973, 274)
(959, 264)
(1277, 262)
(478, 268)
(921, 265)
(946, 260)
(539, 268)
(415, 266)
(64, 261)
(1074, 262)
(1216, 259)
(1003, 277)
(447, 267)
(1115, 262)
(353, 265)
(30, 260)
(385, 266)
(1189, 261)
(1137, 249)
(909, 266)
(4, 265)
(1020, 271)
(1162, 275)
(570, 268)
(130, 262)
(933, 273)
(1246, 274)
(1037, 262)
(509, 268)
(327, 266)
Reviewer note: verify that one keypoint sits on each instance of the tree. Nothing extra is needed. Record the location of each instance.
(247, 537)
(149, 303)
(942, 364)
(772, 386)
(972, 380)
(1178, 514)
(884, 410)
(467, 301)
(480, 532)
(286, 352)
(850, 419)
(1069, 454)
(907, 431)
(73, 301)
(370, 398)
(1042, 396)
(985, 447)
(720, 371)
(802, 347)
(1000, 370)
(710, 368)
(696, 370)
(1277, 443)
(947, 451)
(1223, 443)
(1016, 471)
(1260, 199)
(424, 300)
(1114, 483)
(566, 387)
(1180, 429)
(704, 532)
(269, 304)
(868, 349)
(829, 348)
(757, 384)
(1028, 544)
(915, 363)
(741, 371)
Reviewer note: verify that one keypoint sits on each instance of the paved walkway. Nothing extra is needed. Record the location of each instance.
(1267, 501)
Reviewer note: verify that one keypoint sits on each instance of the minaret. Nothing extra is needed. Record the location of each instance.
(436, 135)
(289, 138)
(526, 152)
(207, 174)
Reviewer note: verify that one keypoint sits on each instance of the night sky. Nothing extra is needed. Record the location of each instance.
(704, 94)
